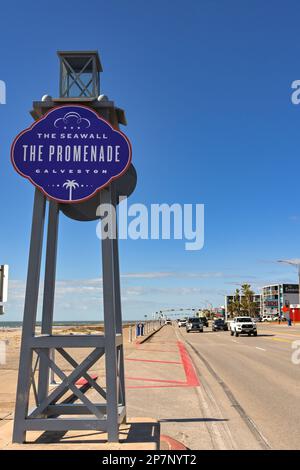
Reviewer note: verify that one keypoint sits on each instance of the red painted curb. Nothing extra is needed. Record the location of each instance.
(191, 375)
(171, 443)
(83, 381)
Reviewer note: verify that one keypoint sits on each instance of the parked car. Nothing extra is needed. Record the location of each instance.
(194, 324)
(219, 324)
(243, 325)
(181, 322)
(257, 319)
(269, 318)
(168, 321)
(204, 321)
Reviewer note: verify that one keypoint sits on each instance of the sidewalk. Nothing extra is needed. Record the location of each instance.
(138, 433)
(161, 383)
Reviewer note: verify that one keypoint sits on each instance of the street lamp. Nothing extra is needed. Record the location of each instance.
(293, 262)
(209, 304)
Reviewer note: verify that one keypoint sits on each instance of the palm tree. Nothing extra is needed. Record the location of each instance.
(248, 305)
(234, 308)
(70, 185)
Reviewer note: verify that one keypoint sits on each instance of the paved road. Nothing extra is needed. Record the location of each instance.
(260, 374)
(247, 396)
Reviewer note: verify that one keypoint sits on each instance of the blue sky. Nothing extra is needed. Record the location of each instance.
(206, 86)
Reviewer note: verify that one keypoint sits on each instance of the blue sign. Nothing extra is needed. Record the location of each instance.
(71, 153)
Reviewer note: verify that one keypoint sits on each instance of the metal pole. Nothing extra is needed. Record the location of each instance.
(118, 307)
(52, 380)
(48, 300)
(30, 310)
(299, 281)
(110, 328)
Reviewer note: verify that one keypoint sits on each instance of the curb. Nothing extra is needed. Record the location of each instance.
(144, 339)
(168, 443)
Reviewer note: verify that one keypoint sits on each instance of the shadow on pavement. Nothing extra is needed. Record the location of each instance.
(191, 420)
(61, 437)
(144, 432)
(148, 432)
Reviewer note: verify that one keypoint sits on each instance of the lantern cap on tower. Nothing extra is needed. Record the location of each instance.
(79, 74)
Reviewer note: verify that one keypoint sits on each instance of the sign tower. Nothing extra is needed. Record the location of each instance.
(77, 158)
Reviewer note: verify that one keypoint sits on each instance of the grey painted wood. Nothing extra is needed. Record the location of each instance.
(76, 424)
(65, 341)
(88, 362)
(109, 308)
(112, 342)
(30, 310)
(73, 409)
(77, 392)
(85, 375)
(49, 293)
(118, 307)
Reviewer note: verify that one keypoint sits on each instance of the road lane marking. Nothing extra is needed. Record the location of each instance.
(262, 349)
(283, 340)
(283, 333)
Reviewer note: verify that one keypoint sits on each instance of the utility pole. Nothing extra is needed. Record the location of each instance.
(294, 262)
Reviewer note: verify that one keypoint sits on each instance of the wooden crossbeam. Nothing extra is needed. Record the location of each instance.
(67, 381)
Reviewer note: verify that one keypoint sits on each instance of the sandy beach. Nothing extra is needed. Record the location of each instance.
(9, 369)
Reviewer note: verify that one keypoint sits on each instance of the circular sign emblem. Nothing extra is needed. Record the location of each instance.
(71, 153)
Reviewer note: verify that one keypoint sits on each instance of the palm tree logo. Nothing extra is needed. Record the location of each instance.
(70, 185)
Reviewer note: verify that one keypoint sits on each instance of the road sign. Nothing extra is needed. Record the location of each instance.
(3, 282)
(71, 153)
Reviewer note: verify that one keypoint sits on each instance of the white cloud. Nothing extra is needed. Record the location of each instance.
(76, 299)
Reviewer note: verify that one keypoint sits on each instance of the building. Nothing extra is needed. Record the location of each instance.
(218, 312)
(230, 298)
(295, 312)
(276, 296)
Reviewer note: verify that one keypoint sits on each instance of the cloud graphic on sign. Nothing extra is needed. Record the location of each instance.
(72, 118)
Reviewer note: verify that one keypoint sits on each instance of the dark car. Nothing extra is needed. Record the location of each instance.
(204, 321)
(257, 319)
(194, 324)
(219, 324)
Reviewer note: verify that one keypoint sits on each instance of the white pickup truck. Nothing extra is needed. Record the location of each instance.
(243, 325)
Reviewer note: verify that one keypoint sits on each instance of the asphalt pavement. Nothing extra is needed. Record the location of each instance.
(214, 391)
